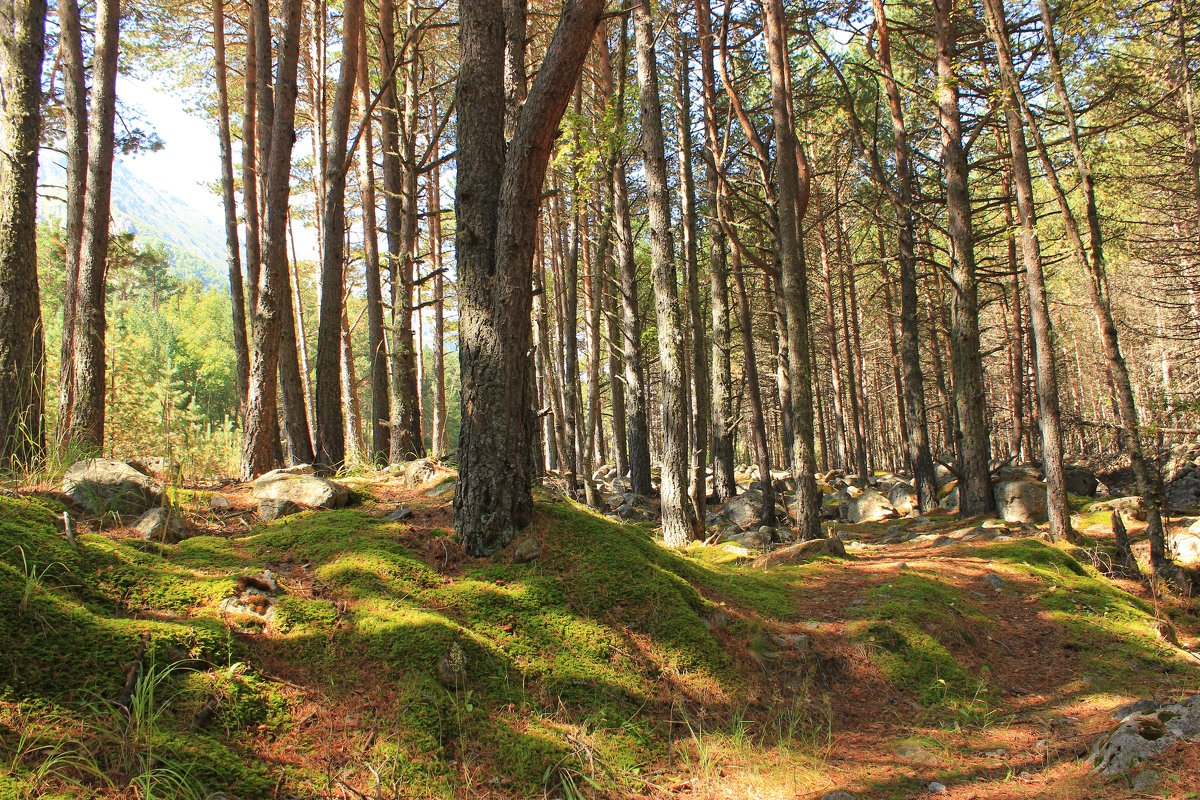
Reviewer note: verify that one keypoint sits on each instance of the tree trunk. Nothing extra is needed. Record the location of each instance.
(689, 228)
(380, 443)
(70, 44)
(974, 486)
(440, 446)
(1058, 507)
(758, 422)
(791, 191)
(22, 350)
(723, 422)
(497, 202)
(330, 433)
(917, 425)
(273, 309)
(232, 246)
(87, 418)
(679, 521)
(631, 322)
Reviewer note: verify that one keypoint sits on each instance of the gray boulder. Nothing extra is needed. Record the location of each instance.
(272, 509)
(870, 506)
(304, 489)
(1081, 481)
(950, 501)
(903, 498)
(744, 510)
(943, 475)
(1021, 501)
(1184, 546)
(106, 486)
(160, 525)
(1142, 736)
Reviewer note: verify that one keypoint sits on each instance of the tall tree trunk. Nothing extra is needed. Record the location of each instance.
(1058, 507)
(22, 349)
(440, 446)
(758, 422)
(680, 524)
(273, 309)
(690, 231)
(87, 418)
(497, 202)
(723, 422)
(399, 220)
(293, 366)
(70, 43)
(792, 193)
(232, 246)
(376, 344)
(919, 456)
(631, 322)
(330, 433)
(250, 176)
(974, 486)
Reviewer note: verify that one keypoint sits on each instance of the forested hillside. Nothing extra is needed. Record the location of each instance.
(755, 398)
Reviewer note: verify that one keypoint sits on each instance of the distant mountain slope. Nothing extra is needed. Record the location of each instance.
(195, 241)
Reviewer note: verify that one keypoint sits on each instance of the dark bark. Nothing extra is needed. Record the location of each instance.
(723, 421)
(70, 43)
(680, 523)
(232, 246)
(87, 418)
(791, 189)
(22, 350)
(380, 441)
(330, 420)
(1058, 507)
(966, 364)
(273, 310)
(497, 202)
(917, 438)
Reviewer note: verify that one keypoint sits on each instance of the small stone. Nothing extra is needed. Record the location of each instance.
(528, 549)
(1146, 780)
(400, 514)
(272, 509)
(219, 503)
(1137, 707)
(937, 788)
(159, 525)
(840, 794)
(994, 581)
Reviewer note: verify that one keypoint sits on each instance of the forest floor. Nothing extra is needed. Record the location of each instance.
(388, 664)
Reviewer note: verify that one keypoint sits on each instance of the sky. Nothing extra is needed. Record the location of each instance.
(189, 164)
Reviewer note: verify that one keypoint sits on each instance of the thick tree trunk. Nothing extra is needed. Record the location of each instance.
(330, 433)
(232, 245)
(497, 202)
(70, 43)
(87, 418)
(792, 190)
(250, 176)
(974, 486)
(273, 310)
(22, 350)
(1058, 507)
(680, 523)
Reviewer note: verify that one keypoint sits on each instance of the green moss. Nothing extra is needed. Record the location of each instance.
(914, 627)
(1031, 552)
